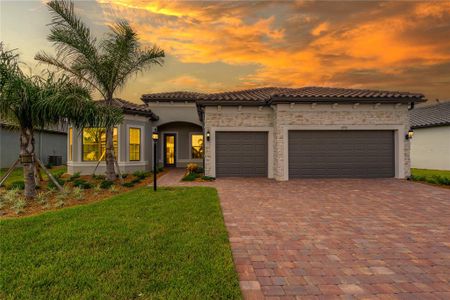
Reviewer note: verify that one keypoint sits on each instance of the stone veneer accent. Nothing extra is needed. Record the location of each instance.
(234, 117)
(282, 115)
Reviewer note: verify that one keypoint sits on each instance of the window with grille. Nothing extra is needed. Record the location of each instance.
(135, 144)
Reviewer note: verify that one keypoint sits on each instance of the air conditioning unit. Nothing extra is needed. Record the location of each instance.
(55, 160)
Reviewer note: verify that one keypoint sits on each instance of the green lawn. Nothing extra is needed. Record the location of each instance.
(171, 244)
(429, 173)
(17, 174)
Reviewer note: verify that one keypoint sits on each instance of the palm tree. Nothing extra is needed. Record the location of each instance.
(102, 66)
(33, 102)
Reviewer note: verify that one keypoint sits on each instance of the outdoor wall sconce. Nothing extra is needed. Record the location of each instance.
(208, 136)
(410, 134)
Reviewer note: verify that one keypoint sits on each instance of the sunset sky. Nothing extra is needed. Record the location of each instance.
(223, 45)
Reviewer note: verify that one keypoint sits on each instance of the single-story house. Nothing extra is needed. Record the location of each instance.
(430, 148)
(50, 144)
(280, 133)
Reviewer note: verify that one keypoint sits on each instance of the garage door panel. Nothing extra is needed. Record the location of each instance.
(241, 154)
(328, 153)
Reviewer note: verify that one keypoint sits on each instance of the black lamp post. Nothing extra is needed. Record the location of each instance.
(155, 138)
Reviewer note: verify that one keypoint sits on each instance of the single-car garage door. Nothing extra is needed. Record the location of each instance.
(241, 154)
(341, 153)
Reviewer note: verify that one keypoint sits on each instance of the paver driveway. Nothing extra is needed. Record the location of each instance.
(338, 238)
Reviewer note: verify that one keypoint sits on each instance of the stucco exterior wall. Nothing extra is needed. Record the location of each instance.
(284, 117)
(175, 112)
(183, 132)
(430, 148)
(126, 166)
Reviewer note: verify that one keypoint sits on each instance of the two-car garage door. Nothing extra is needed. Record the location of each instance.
(341, 154)
(311, 154)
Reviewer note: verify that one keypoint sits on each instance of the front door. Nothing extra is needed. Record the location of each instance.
(169, 150)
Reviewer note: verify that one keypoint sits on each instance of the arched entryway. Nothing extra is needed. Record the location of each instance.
(181, 143)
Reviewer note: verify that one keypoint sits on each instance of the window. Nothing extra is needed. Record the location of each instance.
(197, 146)
(94, 144)
(70, 143)
(135, 144)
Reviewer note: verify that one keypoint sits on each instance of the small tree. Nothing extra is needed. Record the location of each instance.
(104, 66)
(32, 102)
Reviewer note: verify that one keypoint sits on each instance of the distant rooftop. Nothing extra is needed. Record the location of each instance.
(431, 116)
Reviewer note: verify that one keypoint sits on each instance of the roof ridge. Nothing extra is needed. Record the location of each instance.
(266, 94)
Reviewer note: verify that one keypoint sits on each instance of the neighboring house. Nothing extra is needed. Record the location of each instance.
(279, 133)
(430, 148)
(49, 143)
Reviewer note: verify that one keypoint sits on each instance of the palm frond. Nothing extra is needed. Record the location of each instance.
(105, 66)
(69, 33)
(75, 72)
(139, 61)
(35, 101)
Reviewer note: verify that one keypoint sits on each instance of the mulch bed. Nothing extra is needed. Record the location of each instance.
(33, 207)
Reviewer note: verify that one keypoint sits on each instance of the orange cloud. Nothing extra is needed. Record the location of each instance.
(292, 43)
(321, 28)
(187, 82)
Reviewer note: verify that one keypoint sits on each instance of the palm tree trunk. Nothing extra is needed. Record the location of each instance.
(27, 155)
(110, 173)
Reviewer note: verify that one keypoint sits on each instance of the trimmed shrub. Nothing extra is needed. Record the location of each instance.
(17, 185)
(58, 174)
(190, 177)
(136, 180)
(435, 179)
(82, 184)
(160, 169)
(418, 178)
(208, 178)
(75, 176)
(124, 175)
(99, 177)
(141, 174)
(106, 184)
(440, 180)
(128, 184)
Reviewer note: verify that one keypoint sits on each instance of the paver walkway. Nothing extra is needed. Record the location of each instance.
(337, 239)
